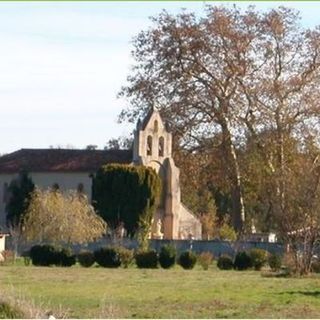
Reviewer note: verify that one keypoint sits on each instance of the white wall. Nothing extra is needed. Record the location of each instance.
(65, 180)
(2, 243)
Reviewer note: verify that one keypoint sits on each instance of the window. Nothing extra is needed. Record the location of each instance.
(161, 146)
(149, 146)
(80, 188)
(156, 126)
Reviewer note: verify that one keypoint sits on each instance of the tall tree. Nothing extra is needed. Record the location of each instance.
(226, 74)
(188, 68)
(298, 212)
(126, 194)
(282, 97)
(19, 190)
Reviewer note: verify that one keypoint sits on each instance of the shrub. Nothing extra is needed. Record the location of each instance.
(225, 262)
(65, 258)
(86, 259)
(205, 259)
(107, 257)
(9, 256)
(167, 256)
(259, 258)
(274, 261)
(47, 255)
(242, 261)
(44, 255)
(26, 257)
(147, 259)
(126, 256)
(187, 260)
(227, 232)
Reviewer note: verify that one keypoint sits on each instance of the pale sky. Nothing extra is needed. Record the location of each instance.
(63, 63)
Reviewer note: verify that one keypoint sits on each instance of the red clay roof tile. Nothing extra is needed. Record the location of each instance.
(61, 160)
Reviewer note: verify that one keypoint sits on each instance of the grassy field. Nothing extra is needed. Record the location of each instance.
(134, 293)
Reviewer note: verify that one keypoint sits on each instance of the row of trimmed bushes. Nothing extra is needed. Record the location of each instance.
(114, 257)
(109, 257)
(255, 258)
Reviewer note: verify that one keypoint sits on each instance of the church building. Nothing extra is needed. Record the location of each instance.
(73, 169)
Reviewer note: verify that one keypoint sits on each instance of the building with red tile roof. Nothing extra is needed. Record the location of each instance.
(69, 169)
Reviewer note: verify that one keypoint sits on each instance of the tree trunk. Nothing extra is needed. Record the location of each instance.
(238, 214)
(280, 167)
(233, 171)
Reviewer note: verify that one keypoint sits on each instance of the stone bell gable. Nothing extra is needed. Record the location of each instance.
(152, 142)
(153, 147)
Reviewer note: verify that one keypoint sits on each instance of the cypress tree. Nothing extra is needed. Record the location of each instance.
(126, 194)
(20, 191)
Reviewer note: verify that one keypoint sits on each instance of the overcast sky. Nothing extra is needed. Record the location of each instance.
(62, 65)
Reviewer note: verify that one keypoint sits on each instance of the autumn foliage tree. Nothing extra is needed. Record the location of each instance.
(55, 217)
(230, 74)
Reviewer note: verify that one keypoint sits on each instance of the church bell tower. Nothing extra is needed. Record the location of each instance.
(152, 147)
(152, 142)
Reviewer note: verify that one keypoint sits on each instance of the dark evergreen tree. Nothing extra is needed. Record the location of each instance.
(126, 194)
(20, 191)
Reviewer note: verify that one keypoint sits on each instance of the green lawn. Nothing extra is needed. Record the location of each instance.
(134, 293)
